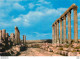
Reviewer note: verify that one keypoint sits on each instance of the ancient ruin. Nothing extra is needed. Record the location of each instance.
(59, 45)
(10, 42)
(24, 39)
(55, 27)
(17, 35)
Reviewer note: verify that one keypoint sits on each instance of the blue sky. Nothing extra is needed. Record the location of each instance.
(34, 18)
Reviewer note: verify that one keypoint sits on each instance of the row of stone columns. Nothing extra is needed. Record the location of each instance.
(55, 27)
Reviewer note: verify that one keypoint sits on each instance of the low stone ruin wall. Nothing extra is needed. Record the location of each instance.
(63, 49)
(14, 51)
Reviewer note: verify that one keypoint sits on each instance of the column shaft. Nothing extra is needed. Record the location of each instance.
(57, 32)
(3, 34)
(53, 35)
(60, 31)
(69, 27)
(23, 39)
(0, 35)
(64, 28)
(75, 25)
(16, 34)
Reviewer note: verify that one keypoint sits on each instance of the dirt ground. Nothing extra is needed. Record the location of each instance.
(37, 52)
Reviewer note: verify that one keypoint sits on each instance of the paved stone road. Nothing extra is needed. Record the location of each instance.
(37, 52)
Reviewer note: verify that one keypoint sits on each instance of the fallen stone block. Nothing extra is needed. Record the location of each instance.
(65, 49)
(50, 50)
(72, 54)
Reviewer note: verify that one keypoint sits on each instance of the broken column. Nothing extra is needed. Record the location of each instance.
(2, 42)
(0, 35)
(7, 35)
(12, 36)
(17, 36)
(4, 34)
(69, 27)
(23, 39)
(7, 41)
(75, 25)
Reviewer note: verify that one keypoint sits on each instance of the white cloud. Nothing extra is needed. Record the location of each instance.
(18, 6)
(4, 24)
(14, 0)
(31, 5)
(43, 1)
(62, 9)
(17, 19)
(34, 17)
(7, 6)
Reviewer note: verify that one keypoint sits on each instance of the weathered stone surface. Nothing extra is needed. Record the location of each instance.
(72, 54)
(60, 31)
(50, 50)
(66, 49)
(17, 35)
(69, 27)
(0, 35)
(3, 34)
(53, 35)
(63, 18)
(75, 25)
(64, 28)
(12, 36)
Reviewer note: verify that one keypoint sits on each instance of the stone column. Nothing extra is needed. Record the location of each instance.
(69, 27)
(61, 31)
(7, 35)
(0, 35)
(53, 35)
(19, 36)
(12, 36)
(23, 39)
(4, 34)
(75, 25)
(16, 35)
(58, 32)
(64, 28)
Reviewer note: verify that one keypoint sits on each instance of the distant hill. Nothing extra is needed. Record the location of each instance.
(39, 41)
